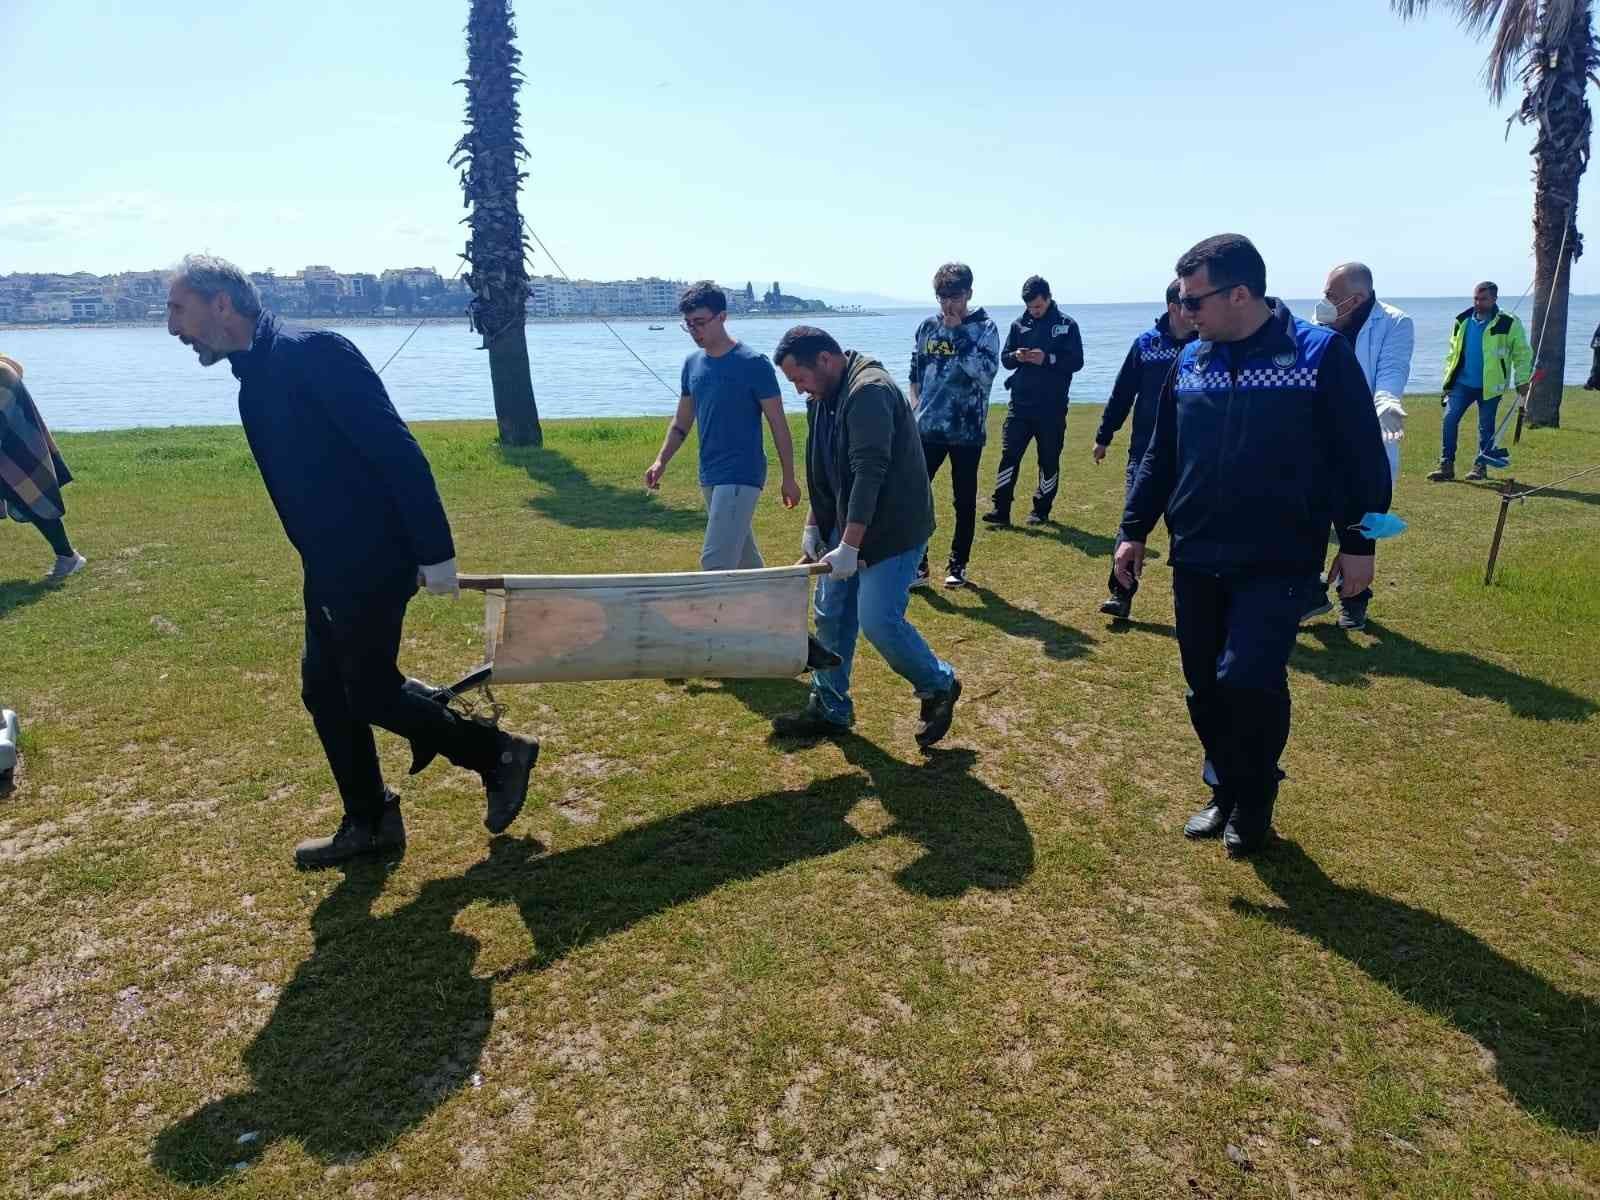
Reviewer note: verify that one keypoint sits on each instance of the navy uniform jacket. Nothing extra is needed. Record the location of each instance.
(1138, 387)
(350, 483)
(1258, 447)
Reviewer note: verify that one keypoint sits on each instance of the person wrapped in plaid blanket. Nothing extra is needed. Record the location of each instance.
(32, 471)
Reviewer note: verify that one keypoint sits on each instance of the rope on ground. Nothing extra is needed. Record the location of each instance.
(672, 391)
(1545, 486)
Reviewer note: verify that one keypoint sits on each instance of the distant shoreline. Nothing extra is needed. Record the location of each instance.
(321, 322)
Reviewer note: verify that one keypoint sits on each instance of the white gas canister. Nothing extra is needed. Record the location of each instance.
(9, 733)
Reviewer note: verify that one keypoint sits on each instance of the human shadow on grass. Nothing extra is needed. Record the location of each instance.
(19, 593)
(1545, 1042)
(387, 1018)
(1095, 545)
(575, 500)
(1058, 641)
(1347, 663)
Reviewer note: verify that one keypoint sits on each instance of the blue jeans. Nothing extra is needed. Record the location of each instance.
(873, 601)
(1460, 399)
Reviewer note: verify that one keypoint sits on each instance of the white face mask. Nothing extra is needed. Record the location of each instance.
(1324, 313)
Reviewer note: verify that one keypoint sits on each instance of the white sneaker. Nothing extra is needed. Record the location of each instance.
(69, 564)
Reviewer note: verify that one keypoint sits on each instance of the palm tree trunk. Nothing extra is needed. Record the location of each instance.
(489, 155)
(1557, 101)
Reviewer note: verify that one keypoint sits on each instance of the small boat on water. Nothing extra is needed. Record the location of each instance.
(658, 327)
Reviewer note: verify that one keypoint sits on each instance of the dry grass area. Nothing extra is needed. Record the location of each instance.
(707, 965)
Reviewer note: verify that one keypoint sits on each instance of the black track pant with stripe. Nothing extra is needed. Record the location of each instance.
(1048, 432)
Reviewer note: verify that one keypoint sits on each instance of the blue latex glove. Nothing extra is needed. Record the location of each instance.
(1380, 525)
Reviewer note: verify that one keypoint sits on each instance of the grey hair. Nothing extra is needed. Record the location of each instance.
(1359, 275)
(207, 275)
(1494, 288)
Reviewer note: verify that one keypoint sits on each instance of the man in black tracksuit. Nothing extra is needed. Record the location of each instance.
(1265, 435)
(1136, 390)
(1042, 351)
(357, 499)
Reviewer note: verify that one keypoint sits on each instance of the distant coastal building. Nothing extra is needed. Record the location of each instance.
(318, 290)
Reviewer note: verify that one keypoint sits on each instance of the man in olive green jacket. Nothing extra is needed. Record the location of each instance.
(1486, 347)
(870, 519)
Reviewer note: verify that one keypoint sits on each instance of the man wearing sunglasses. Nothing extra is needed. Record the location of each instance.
(1265, 435)
(729, 388)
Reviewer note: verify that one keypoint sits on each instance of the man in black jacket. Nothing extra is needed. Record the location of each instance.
(1042, 351)
(870, 519)
(1265, 435)
(358, 501)
(1137, 389)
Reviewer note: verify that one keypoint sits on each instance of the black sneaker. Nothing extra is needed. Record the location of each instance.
(997, 516)
(1353, 612)
(506, 783)
(1118, 606)
(937, 712)
(355, 839)
(1034, 518)
(956, 575)
(923, 577)
(1322, 604)
(809, 722)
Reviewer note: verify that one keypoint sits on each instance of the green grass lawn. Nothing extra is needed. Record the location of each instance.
(707, 965)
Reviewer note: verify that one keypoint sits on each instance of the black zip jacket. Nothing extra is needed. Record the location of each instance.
(1042, 390)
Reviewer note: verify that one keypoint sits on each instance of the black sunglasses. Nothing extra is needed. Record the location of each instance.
(1192, 303)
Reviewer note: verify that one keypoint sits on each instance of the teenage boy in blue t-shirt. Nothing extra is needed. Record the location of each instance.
(728, 387)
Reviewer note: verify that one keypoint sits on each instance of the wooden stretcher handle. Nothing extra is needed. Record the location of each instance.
(489, 583)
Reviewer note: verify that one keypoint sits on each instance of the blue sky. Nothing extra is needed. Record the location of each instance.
(853, 146)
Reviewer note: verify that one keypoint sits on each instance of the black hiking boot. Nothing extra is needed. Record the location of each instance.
(355, 839)
(997, 516)
(937, 713)
(1443, 473)
(506, 783)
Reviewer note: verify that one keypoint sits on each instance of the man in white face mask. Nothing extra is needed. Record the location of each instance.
(1383, 338)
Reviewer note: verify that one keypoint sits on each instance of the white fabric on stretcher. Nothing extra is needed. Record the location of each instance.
(691, 625)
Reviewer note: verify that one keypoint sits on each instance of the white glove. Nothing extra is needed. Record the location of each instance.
(842, 560)
(811, 544)
(440, 578)
(1391, 419)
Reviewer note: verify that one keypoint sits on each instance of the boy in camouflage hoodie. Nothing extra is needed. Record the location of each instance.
(953, 365)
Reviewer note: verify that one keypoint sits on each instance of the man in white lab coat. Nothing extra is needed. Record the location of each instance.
(1383, 338)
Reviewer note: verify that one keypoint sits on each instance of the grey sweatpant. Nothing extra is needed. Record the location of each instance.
(730, 543)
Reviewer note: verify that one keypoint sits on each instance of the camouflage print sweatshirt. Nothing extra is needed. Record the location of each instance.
(952, 371)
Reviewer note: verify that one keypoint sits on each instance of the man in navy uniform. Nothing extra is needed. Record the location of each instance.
(358, 501)
(1136, 391)
(1265, 435)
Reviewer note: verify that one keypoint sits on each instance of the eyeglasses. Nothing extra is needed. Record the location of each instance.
(1191, 304)
(696, 324)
